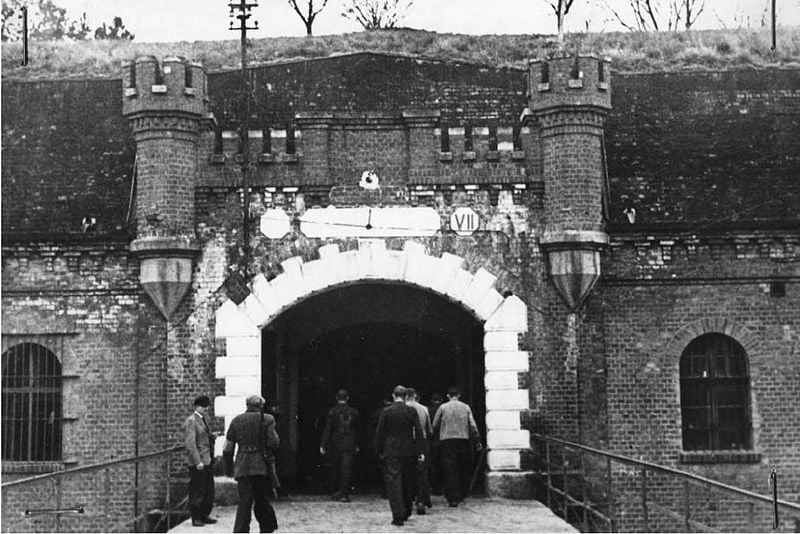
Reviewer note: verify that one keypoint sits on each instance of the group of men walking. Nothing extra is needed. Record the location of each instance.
(412, 441)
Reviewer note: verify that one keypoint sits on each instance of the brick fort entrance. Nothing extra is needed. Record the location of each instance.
(368, 319)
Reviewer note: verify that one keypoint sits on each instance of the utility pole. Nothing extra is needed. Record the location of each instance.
(241, 11)
(774, 36)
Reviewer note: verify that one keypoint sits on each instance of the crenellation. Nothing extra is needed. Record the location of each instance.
(570, 80)
(153, 88)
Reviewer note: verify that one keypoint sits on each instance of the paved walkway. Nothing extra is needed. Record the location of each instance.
(367, 513)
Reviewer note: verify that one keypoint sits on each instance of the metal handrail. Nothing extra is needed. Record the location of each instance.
(607, 513)
(89, 468)
(671, 471)
(56, 479)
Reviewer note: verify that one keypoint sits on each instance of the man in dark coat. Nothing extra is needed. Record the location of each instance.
(254, 433)
(399, 443)
(434, 456)
(199, 442)
(340, 443)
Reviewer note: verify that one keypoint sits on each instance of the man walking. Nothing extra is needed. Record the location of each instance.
(399, 443)
(455, 427)
(199, 442)
(254, 432)
(434, 456)
(422, 490)
(340, 443)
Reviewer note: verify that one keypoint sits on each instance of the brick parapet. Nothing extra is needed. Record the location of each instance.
(768, 255)
(335, 148)
(173, 87)
(569, 80)
(52, 267)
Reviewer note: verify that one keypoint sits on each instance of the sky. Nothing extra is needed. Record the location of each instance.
(203, 20)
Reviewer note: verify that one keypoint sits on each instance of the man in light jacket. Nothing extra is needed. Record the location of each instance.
(199, 442)
(455, 427)
(422, 490)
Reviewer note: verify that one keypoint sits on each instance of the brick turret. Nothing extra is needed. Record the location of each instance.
(165, 104)
(570, 97)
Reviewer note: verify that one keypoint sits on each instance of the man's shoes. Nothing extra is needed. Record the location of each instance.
(452, 504)
(397, 522)
(428, 504)
(198, 523)
(421, 509)
(208, 520)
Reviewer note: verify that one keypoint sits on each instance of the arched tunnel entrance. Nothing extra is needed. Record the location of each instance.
(365, 337)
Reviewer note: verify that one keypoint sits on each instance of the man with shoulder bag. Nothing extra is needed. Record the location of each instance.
(254, 433)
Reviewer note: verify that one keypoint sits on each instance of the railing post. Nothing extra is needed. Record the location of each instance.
(564, 480)
(59, 501)
(686, 505)
(644, 500)
(549, 477)
(773, 478)
(610, 496)
(106, 491)
(583, 494)
(169, 504)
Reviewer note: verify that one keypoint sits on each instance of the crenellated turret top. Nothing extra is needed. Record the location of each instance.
(569, 80)
(173, 86)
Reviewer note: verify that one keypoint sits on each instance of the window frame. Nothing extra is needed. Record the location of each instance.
(38, 384)
(715, 348)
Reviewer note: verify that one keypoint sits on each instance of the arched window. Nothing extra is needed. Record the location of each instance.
(715, 406)
(31, 404)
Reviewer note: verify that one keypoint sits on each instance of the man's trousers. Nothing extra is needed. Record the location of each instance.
(422, 488)
(201, 491)
(399, 482)
(341, 473)
(456, 468)
(254, 494)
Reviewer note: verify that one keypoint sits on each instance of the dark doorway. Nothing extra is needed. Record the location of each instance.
(366, 338)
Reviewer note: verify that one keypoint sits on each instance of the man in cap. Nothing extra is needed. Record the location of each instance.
(455, 427)
(254, 433)
(199, 442)
(340, 443)
(399, 443)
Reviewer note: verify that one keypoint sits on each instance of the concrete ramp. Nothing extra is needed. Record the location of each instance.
(370, 513)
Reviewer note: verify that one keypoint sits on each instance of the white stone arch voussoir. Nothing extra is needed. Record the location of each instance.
(504, 320)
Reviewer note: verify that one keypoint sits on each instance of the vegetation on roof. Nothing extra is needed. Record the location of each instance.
(629, 51)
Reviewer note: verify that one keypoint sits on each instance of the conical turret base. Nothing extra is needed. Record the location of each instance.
(165, 270)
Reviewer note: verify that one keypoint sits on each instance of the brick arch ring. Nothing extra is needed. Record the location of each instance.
(711, 325)
(503, 320)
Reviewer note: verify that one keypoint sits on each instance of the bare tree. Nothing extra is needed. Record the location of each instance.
(650, 15)
(561, 8)
(376, 14)
(310, 13)
(655, 15)
(693, 10)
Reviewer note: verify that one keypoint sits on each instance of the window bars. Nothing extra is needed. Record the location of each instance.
(32, 404)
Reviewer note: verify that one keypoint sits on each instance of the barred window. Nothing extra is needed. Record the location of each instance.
(715, 383)
(31, 388)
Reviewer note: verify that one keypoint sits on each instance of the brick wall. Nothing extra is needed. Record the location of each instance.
(86, 304)
(647, 308)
